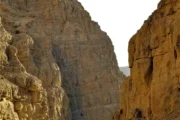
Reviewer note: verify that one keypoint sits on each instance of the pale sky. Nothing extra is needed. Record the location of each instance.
(120, 19)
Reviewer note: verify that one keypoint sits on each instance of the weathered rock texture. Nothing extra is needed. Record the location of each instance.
(152, 92)
(48, 45)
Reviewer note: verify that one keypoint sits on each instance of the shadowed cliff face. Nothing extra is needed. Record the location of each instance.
(54, 45)
(152, 92)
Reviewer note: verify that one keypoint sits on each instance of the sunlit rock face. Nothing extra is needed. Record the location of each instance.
(55, 63)
(152, 92)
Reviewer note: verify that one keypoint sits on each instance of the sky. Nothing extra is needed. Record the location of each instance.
(120, 19)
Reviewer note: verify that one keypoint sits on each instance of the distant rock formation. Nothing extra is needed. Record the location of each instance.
(55, 63)
(125, 70)
(152, 92)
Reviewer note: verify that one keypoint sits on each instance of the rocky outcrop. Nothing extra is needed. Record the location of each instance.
(152, 92)
(22, 95)
(56, 64)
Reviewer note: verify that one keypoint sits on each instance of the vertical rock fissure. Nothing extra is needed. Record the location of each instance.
(149, 73)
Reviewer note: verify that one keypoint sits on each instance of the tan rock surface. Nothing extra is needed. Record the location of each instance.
(50, 48)
(152, 92)
(22, 96)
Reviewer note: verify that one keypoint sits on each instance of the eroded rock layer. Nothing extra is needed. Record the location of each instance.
(50, 48)
(152, 92)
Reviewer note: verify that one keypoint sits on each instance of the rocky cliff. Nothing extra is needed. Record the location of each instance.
(152, 92)
(55, 63)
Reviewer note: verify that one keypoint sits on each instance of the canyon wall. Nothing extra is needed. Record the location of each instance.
(152, 91)
(56, 63)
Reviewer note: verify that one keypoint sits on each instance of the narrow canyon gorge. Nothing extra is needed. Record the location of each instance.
(57, 64)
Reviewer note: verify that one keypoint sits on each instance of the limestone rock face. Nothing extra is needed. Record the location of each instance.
(56, 64)
(152, 92)
(22, 95)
